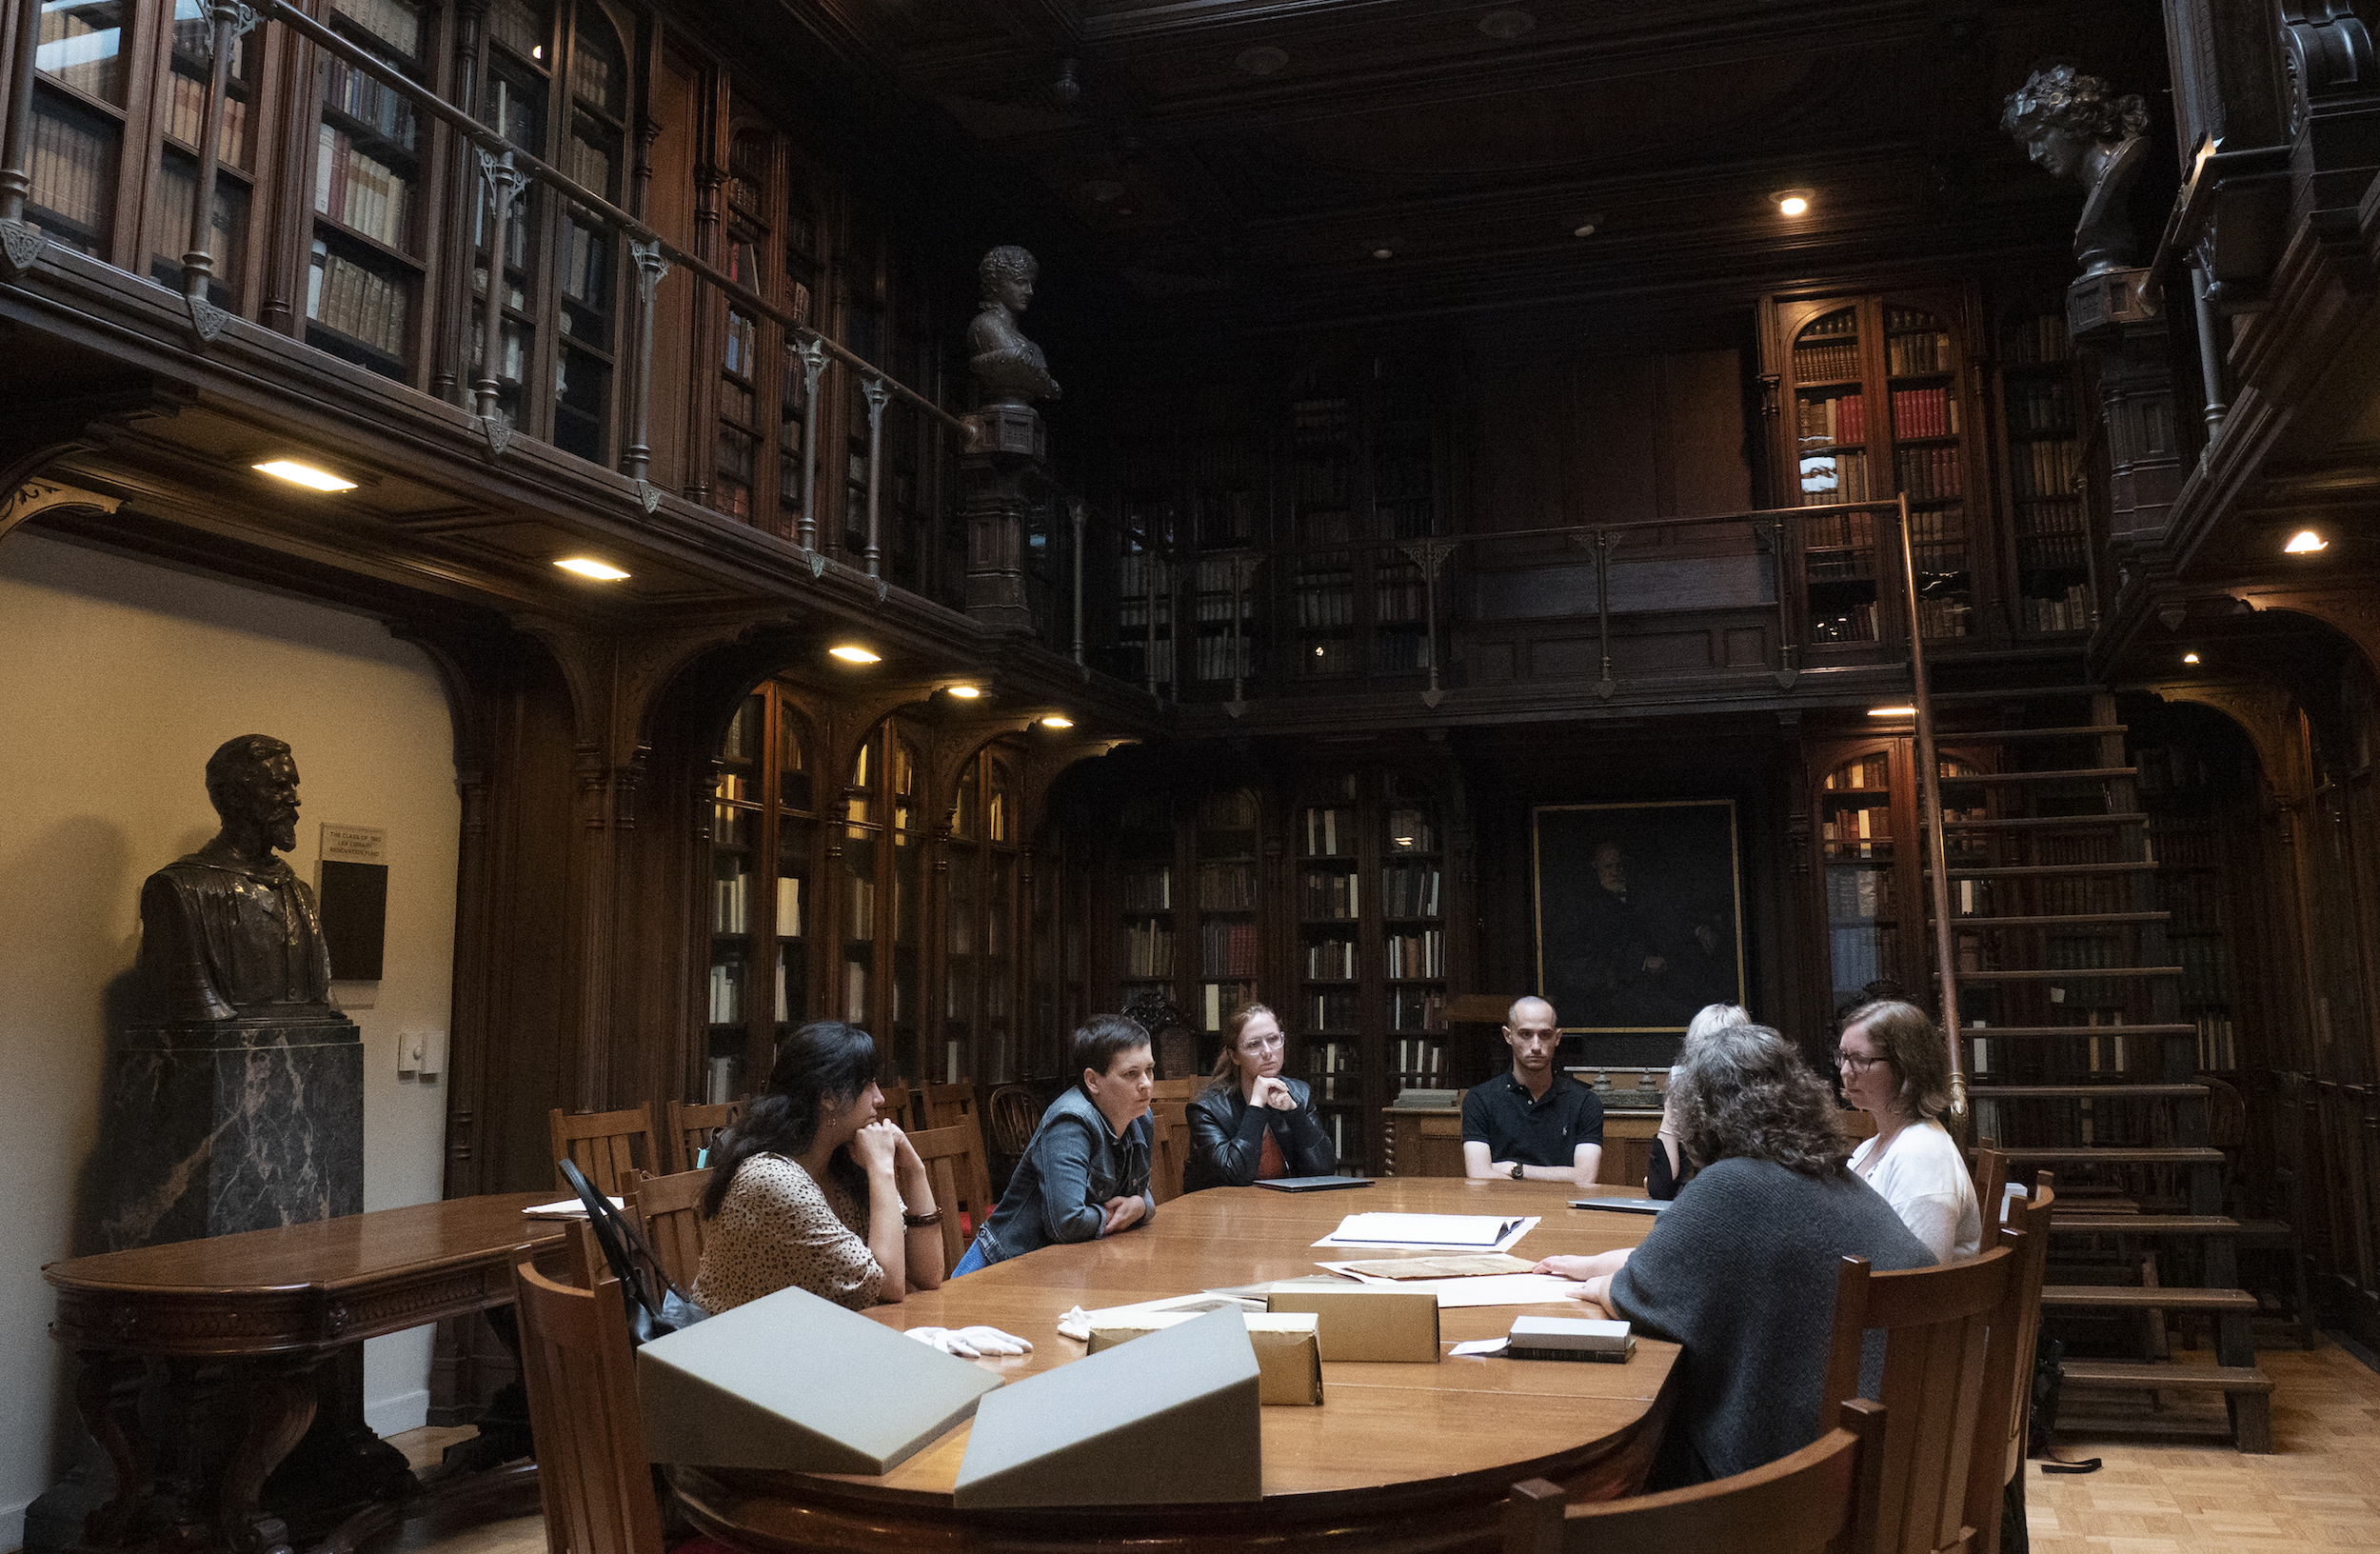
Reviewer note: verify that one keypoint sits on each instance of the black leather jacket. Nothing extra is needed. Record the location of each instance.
(1227, 1137)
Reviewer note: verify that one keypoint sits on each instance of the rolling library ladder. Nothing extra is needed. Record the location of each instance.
(2083, 1063)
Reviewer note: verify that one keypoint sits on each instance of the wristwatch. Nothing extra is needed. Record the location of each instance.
(1515, 1170)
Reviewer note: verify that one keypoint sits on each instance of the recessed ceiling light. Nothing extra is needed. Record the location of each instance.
(1057, 720)
(1892, 711)
(590, 566)
(1103, 190)
(304, 474)
(2305, 542)
(1507, 24)
(853, 653)
(1262, 60)
(2189, 658)
(1586, 226)
(1383, 253)
(967, 693)
(1792, 202)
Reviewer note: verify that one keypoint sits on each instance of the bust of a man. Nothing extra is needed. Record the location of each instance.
(2074, 126)
(1008, 368)
(231, 930)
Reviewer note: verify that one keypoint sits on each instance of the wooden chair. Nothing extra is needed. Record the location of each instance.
(606, 1145)
(594, 1478)
(1992, 1176)
(946, 1106)
(1935, 1320)
(2008, 1366)
(953, 1157)
(1013, 1118)
(1822, 1500)
(1169, 1125)
(694, 1128)
(668, 1211)
(895, 1106)
(1179, 1089)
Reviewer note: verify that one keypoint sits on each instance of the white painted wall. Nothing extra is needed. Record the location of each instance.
(118, 680)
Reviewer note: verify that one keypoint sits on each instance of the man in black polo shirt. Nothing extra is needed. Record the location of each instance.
(1535, 1123)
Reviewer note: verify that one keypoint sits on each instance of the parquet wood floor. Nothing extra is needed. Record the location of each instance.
(2320, 1489)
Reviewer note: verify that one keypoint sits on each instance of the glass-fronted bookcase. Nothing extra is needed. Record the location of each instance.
(764, 849)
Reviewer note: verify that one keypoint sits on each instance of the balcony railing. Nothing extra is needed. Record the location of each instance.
(371, 186)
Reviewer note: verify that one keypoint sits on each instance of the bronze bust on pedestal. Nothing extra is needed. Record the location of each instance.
(2074, 126)
(1009, 370)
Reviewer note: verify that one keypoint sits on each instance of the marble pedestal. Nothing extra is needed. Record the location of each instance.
(207, 1129)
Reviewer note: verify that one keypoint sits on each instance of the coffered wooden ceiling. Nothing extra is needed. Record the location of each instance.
(1260, 152)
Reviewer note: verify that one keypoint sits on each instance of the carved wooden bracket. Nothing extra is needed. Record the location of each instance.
(2352, 609)
(2269, 714)
(34, 497)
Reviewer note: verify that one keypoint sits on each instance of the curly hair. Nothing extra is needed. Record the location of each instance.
(824, 1057)
(1904, 1036)
(1005, 262)
(1743, 1091)
(2061, 97)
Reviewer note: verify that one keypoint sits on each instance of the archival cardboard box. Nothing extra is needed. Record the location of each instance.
(1109, 1428)
(1288, 1350)
(768, 1384)
(1364, 1321)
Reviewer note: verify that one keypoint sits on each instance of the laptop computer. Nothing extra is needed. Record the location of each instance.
(1314, 1183)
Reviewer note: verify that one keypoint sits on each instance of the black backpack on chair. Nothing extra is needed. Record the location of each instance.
(656, 1307)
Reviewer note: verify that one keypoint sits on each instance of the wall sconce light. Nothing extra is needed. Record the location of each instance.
(2304, 543)
(1892, 711)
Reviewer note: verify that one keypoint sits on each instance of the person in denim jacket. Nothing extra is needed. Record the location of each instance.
(1086, 1173)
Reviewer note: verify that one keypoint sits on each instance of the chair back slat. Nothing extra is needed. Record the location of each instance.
(1991, 1173)
(953, 1157)
(2008, 1366)
(1169, 1152)
(1935, 1320)
(895, 1106)
(1820, 1499)
(606, 1145)
(1013, 1119)
(594, 1478)
(948, 1106)
(694, 1128)
(669, 1210)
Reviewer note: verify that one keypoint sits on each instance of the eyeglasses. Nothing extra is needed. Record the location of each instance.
(1261, 1044)
(1851, 1060)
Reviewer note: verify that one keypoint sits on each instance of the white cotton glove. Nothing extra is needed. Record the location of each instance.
(971, 1343)
(1076, 1325)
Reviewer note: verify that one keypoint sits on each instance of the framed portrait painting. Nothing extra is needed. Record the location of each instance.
(1640, 912)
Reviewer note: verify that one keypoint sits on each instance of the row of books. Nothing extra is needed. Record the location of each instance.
(1331, 960)
(362, 193)
(2218, 1053)
(397, 23)
(2040, 404)
(1868, 771)
(1825, 362)
(1149, 891)
(1138, 572)
(1859, 956)
(860, 910)
(1221, 658)
(370, 102)
(1317, 478)
(1397, 651)
(726, 993)
(2045, 467)
(1418, 1063)
(2042, 338)
(2185, 844)
(1327, 894)
(1945, 617)
(1829, 478)
(1219, 1000)
(1228, 950)
(1873, 824)
(1416, 1008)
(360, 303)
(1858, 624)
(1330, 832)
(73, 169)
(1412, 829)
(1325, 604)
(1838, 529)
(1325, 525)
(1838, 418)
(1925, 349)
(1400, 601)
(1421, 954)
(1858, 894)
(2050, 552)
(1319, 419)
(1226, 887)
(1925, 412)
(2097, 893)
(1409, 890)
(731, 902)
(1148, 951)
(1335, 1069)
(1141, 660)
(1927, 473)
(185, 118)
(2206, 967)
(2070, 613)
(1330, 1011)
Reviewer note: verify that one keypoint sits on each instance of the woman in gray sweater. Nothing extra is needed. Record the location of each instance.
(1740, 1269)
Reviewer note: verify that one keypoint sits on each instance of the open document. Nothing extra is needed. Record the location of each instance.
(1447, 1233)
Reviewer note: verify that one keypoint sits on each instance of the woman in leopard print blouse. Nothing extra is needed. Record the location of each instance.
(810, 1190)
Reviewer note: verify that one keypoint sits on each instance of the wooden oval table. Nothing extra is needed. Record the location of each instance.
(1398, 1457)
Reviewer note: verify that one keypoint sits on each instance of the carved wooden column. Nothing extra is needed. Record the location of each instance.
(1005, 445)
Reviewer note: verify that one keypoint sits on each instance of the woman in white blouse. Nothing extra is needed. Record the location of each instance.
(1897, 1070)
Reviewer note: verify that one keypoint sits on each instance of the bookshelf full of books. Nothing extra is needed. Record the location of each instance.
(1855, 843)
(1875, 388)
(763, 855)
(2044, 484)
(364, 287)
(1328, 1021)
(76, 131)
(1223, 847)
(1322, 500)
(1413, 933)
(1144, 847)
(2180, 789)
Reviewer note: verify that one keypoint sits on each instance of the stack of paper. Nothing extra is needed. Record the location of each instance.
(1454, 1232)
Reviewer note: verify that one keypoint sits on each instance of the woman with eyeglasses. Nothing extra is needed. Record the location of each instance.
(1895, 1067)
(1249, 1124)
